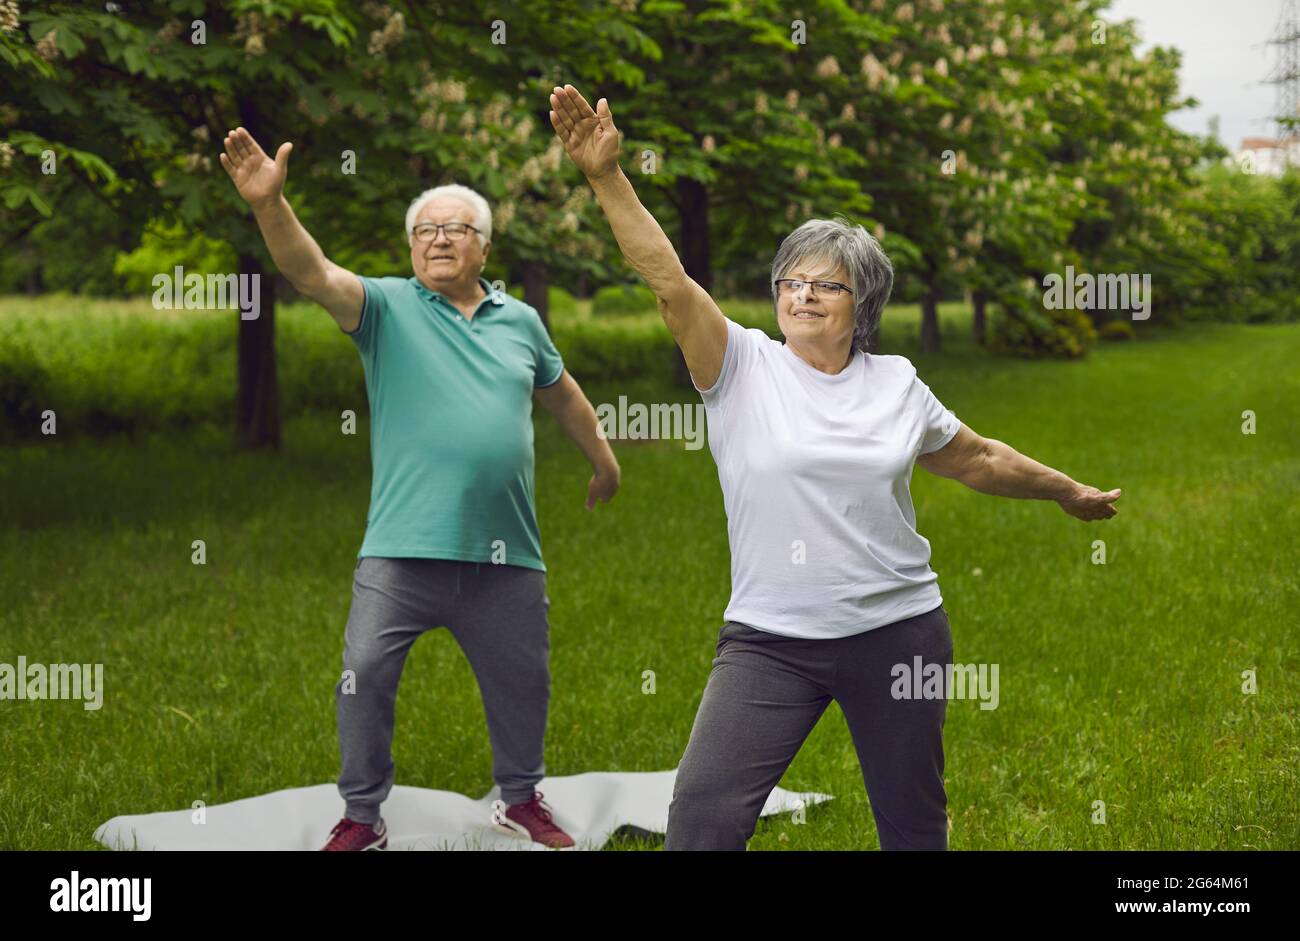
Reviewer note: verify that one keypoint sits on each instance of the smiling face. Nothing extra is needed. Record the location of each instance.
(811, 318)
(443, 265)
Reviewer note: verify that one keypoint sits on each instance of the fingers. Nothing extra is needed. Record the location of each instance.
(1103, 511)
(1092, 510)
(240, 146)
(251, 146)
(243, 146)
(600, 490)
(564, 108)
(579, 103)
(232, 153)
(571, 106)
(558, 121)
(558, 98)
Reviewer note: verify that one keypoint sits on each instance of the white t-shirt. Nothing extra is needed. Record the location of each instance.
(815, 471)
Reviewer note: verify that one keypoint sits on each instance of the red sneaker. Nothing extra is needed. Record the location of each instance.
(531, 820)
(350, 835)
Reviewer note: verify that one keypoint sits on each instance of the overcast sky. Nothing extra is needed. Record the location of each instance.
(1225, 59)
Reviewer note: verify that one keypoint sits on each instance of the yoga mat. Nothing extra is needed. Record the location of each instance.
(589, 807)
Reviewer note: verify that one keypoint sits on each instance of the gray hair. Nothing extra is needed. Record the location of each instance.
(481, 210)
(871, 275)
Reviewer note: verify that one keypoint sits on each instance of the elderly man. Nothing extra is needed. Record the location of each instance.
(451, 536)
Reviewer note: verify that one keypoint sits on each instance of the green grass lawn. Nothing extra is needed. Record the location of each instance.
(1119, 682)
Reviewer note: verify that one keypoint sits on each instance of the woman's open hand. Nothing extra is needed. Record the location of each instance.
(589, 137)
(1089, 503)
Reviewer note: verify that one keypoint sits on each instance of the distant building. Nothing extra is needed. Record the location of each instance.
(1266, 155)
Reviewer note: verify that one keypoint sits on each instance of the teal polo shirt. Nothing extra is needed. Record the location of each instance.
(451, 430)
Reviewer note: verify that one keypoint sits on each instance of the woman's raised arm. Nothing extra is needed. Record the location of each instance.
(696, 322)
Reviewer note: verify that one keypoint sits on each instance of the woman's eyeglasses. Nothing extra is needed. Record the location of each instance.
(829, 288)
(428, 231)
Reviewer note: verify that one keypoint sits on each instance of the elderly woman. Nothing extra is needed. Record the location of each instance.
(831, 586)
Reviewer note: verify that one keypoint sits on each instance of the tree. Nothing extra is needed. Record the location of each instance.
(148, 98)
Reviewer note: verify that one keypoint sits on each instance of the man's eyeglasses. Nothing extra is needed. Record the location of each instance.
(428, 231)
(829, 288)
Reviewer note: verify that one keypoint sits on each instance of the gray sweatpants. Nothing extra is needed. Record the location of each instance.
(497, 613)
(764, 695)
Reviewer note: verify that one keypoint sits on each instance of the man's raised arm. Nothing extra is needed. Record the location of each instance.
(260, 181)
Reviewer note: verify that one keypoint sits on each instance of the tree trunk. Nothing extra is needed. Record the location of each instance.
(693, 200)
(284, 291)
(693, 197)
(257, 411)
(535, 289)
(979, 324)
(930, 317)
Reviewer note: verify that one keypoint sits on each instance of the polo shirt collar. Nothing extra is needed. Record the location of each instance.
(494, 296)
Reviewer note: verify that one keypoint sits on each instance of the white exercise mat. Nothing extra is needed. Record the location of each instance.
(589, 807)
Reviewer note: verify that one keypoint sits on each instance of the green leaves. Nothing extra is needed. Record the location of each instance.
(340, 31)
(56, 100)
(1060, 147)
(14, 194)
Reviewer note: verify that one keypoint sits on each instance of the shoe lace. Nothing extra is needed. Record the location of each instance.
(542, 810)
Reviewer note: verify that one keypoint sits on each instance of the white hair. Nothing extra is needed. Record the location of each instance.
(477, 204)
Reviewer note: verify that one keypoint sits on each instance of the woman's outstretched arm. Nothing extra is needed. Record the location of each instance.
(591, 141)
(991, 466)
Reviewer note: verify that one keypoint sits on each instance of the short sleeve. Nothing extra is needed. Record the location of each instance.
(550, 366)
(373, 310)
(736, 360)
(940, 424)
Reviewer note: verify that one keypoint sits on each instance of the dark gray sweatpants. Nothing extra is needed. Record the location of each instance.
(497, 613)
(764, 695)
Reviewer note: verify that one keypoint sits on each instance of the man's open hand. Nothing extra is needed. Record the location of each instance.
(259, 179)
